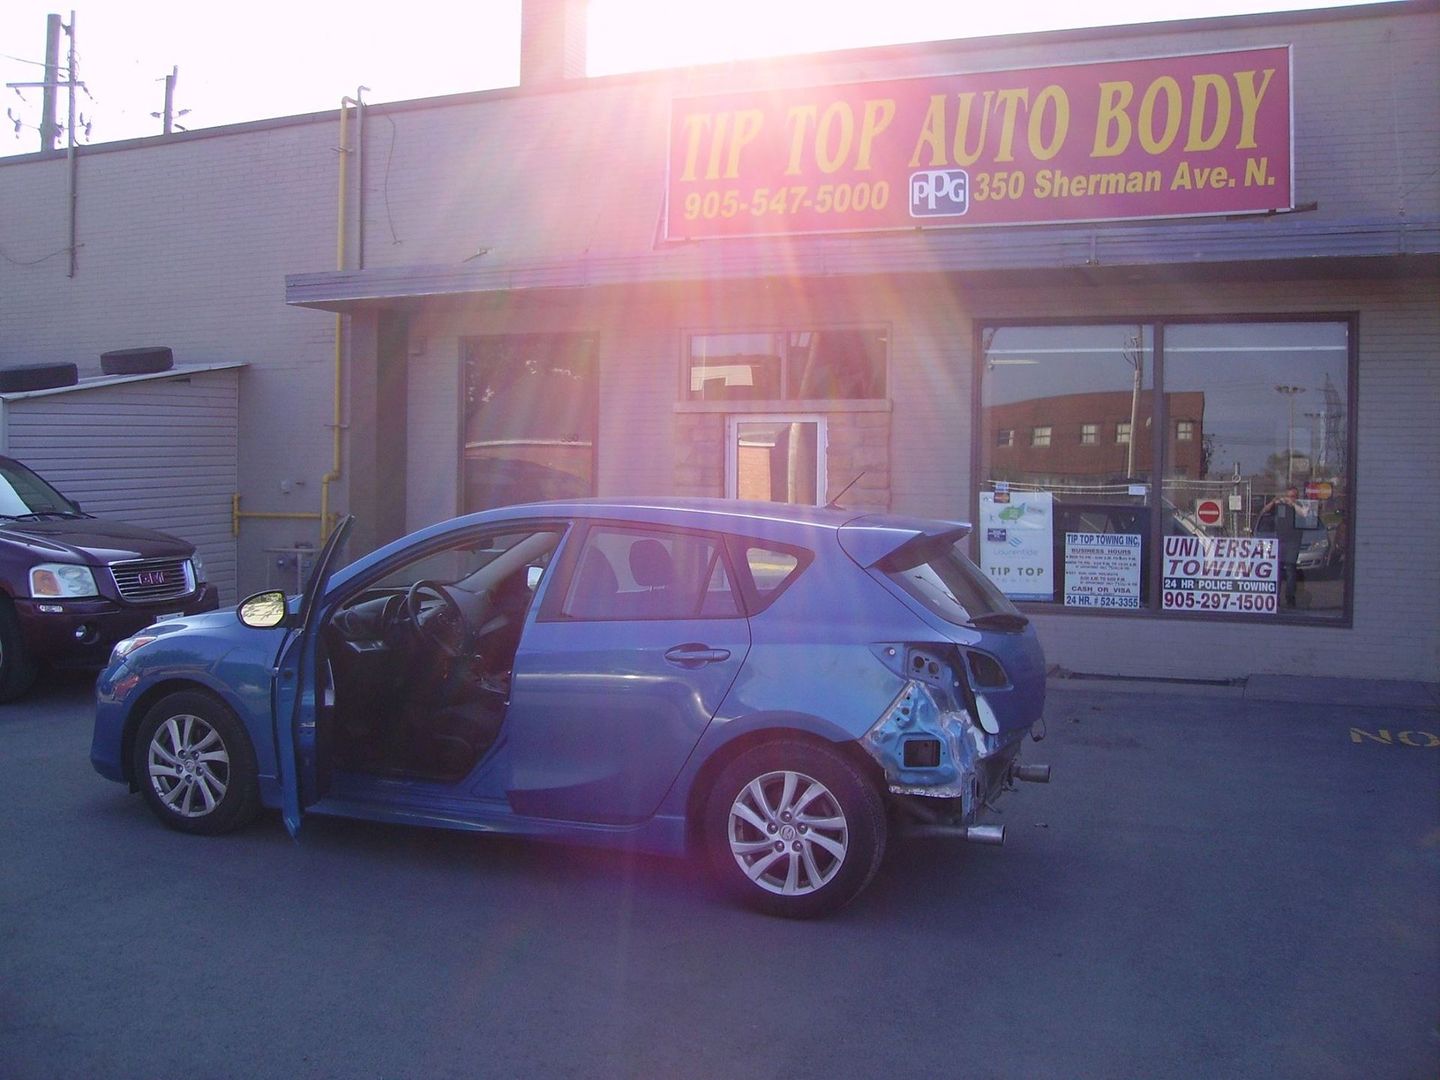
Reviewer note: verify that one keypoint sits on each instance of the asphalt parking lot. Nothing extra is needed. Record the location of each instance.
(1220, 882)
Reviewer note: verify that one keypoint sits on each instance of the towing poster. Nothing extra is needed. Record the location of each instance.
(1016, 546)
(1102, 570)
(1220, 573)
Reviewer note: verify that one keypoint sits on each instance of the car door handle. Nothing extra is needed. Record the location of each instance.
(693, 655)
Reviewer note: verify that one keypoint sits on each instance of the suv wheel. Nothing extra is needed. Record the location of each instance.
(17, 668)
(794, 829)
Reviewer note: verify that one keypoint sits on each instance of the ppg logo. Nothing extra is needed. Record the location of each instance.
(939, 193)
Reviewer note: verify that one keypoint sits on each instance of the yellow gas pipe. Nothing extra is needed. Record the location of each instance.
(324, 516)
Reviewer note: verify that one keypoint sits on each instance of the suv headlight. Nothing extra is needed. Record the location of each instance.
(62, 579)
(197, 566)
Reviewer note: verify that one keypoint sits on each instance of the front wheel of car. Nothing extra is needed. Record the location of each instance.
(195, 766)
(794, 829)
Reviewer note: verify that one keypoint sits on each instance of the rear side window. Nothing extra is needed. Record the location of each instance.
(767, 568)
(941, 576)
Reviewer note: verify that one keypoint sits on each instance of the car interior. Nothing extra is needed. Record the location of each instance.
(421, 658)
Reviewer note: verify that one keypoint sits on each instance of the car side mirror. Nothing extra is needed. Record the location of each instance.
(263, 610)
(533, 574)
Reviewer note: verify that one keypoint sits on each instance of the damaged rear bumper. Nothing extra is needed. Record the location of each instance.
(942, 765)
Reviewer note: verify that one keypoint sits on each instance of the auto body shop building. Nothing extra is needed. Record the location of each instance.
(1106, 293)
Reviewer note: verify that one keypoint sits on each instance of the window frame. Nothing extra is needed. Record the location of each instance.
(732, 455)
(1160, 456)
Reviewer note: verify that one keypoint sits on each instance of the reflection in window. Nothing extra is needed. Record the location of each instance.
(828, 364)
(1057, 379)
(735, 367)
(1273, 416)
(529, 423)
(1260, 418)
(777, 459)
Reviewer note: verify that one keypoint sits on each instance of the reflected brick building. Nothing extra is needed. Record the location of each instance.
(1086, 438)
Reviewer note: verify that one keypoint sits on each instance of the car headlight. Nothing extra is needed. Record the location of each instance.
(197, 566)
(62, 579)
(125, 647)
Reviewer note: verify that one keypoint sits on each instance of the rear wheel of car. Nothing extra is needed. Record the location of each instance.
(195, 766)
(794, 829)
(17, 668)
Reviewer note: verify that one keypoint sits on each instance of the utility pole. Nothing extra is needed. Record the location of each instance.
(49, 132)
(70, 157)
(170, 98)
(50, 87)
(1289, 393)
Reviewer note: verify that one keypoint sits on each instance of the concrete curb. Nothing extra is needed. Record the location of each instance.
(1354, 693)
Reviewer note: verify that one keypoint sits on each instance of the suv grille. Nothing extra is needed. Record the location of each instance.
(153, 579)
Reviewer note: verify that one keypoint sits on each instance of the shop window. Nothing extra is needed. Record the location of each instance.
(817, 364)
(1270, 452)
(1243, 514)
(1089, 434)
(776, 458)
(529, 419)
(1040, 436)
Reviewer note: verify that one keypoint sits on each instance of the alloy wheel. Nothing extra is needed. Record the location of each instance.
(189, 766)
(788, 833)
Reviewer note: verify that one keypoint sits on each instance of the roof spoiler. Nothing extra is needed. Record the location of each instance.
(900, 541)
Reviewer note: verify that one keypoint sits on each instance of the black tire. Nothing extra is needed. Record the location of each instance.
(17, 667)
(817, 869)
(143, 361)
(206, 781)
(37, 377)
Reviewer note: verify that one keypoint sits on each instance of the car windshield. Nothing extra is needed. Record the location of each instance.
(942, 577)
(24, 494)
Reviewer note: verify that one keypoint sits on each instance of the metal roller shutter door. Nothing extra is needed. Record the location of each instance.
(154, 450)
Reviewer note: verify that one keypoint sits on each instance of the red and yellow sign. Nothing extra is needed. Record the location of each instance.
(1168, 137)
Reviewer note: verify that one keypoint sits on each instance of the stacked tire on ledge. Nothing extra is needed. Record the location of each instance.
(143, 361)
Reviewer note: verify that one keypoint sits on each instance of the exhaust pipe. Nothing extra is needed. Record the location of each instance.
(1031, 774)
(976, 834)
(986, 834)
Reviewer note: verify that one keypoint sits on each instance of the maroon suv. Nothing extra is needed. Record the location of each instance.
(72, 585)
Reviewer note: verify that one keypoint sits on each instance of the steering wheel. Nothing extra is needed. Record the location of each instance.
(444, 624)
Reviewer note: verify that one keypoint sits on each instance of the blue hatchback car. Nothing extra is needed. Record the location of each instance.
(779, 688)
